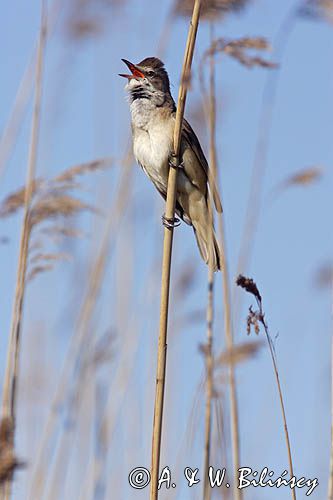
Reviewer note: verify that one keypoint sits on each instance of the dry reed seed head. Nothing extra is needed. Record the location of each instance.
(15, 201)
(60, 205)
(36, 244)
(317, 10)
(237, 49)
(6, 430)
(249, 285)
(52, 201)
(8, 461)
(79, 29)
(35, 271)
(305, 177)
(89, 18)
(40, 257)
(250, 61)
(69, 232)
(61, 183)
(239, 353)
(210, 9)
(253, 319)
(70, 173)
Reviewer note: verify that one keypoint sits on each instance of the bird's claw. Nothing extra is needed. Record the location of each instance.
(170, 223)
(174, 161)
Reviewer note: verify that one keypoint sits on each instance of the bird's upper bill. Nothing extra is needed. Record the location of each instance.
(136, 72)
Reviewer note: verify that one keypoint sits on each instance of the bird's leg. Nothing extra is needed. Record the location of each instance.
(170, 223)
(175, 222)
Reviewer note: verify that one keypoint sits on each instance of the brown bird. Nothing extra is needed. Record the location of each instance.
(153, 113)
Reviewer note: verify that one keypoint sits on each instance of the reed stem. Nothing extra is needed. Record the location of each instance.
(167, 253)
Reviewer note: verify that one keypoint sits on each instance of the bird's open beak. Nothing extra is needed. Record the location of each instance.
(136, 72)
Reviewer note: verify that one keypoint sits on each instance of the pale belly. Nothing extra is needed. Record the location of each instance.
(152, 151)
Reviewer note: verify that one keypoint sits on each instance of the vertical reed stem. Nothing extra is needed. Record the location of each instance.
(9, 392)
(283, 411)
(234, 417)
(210, 301)
(167, 252)
(9, 397)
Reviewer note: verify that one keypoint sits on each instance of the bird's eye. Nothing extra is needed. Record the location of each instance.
(150, 73)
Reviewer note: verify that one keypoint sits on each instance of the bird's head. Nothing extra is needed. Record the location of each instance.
(148, 80)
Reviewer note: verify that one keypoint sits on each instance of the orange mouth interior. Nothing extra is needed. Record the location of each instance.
(136, 73)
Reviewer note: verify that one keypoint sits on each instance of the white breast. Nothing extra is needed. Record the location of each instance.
(152, 140)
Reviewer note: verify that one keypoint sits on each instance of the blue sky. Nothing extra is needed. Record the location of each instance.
(85, 115)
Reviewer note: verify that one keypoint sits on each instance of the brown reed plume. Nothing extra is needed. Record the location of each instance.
(12, 365)
(255, 319)
(239, 50)
(167, 252)
(51, 200)
(8, 460)
(79, 345)
(303, 177)
(317, 10)
(89, 18)
(239, 353)
(210, 9)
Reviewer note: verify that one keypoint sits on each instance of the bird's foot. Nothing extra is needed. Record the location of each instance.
(170, 223)
(174, 161)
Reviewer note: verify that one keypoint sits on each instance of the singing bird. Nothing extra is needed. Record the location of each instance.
(153, 113)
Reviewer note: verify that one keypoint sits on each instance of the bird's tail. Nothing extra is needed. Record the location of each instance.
(208, 245)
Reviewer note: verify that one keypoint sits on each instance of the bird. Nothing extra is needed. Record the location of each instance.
(153, 114)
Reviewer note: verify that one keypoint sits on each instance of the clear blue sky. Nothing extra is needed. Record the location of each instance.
(85, 115)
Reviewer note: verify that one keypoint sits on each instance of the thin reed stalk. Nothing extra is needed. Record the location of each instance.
(262, 147)
(117, 390)
(75, 350)
(285, 426)
(9, 135)
(9, 391)
(9, 397)
(167, 252)
(229, 336)
(254, 318)
(228, 326)
(210, 282)
(209, 381)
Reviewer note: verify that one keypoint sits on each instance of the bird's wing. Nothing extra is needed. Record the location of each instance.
(198, 177)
